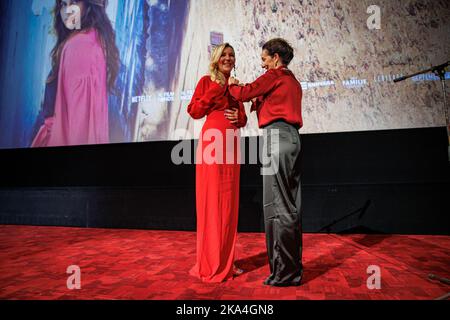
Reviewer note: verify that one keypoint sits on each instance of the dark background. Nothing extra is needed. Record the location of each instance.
(393, 181)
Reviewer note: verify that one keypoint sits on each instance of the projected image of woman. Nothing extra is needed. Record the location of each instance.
(217, 169)
(85, 64)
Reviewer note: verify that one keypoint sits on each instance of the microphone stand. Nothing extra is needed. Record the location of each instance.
(440, 72)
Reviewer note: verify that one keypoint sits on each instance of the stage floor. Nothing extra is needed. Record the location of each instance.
(143, 264)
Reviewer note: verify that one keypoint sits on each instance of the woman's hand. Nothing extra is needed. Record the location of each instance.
(232, 115)
(232, 80)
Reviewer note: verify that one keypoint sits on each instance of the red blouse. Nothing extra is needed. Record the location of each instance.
(210, 96)
(279, 97)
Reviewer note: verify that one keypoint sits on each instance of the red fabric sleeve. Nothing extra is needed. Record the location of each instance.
(257, 88)
(202, 101)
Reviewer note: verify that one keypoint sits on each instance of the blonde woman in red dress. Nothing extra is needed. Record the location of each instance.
(217, 169)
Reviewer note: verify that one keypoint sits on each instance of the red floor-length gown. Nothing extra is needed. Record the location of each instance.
(217, 181)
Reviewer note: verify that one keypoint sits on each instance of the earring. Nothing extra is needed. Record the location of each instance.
(234, 72)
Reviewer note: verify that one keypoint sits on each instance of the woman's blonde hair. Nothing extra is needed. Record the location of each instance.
(214, 64)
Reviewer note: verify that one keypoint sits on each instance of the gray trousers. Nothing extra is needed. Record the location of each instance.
(282, 201)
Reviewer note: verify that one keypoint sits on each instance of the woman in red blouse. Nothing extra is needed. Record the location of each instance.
(276, 98)
(217, 169)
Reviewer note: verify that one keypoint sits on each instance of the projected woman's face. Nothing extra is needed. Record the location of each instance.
(227, 61)
(71, 13)
(269, 62)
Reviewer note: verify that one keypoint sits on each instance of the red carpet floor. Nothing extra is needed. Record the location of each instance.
(140, 264)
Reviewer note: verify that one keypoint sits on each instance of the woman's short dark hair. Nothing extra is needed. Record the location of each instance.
(280, 46)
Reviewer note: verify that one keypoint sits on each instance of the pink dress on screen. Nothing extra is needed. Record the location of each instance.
(81, 106)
